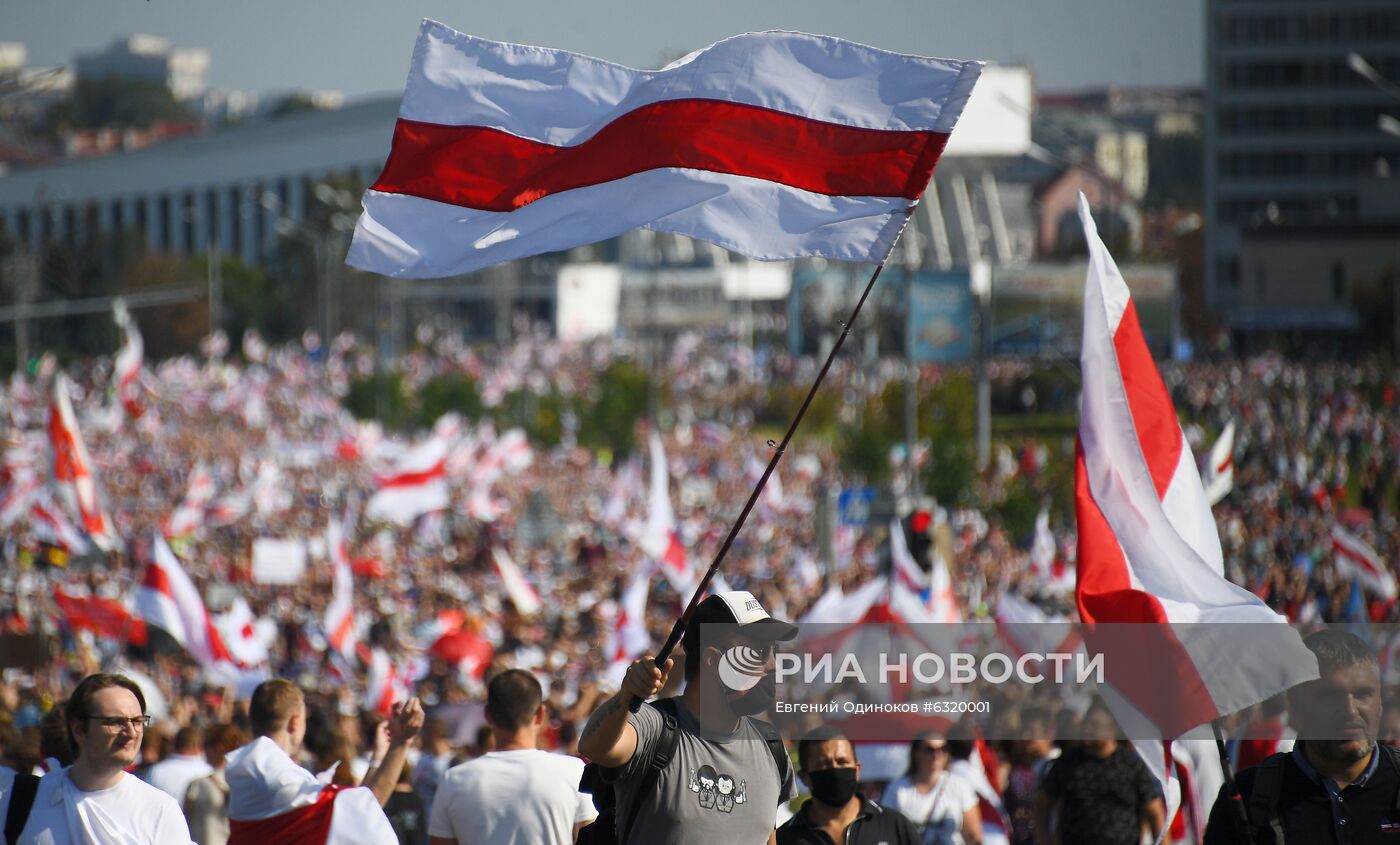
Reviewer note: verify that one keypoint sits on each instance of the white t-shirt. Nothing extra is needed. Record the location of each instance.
(131, 813)
(512, 798)
(174, 774)
(941, 808)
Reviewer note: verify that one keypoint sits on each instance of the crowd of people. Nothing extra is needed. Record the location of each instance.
(1318, 445)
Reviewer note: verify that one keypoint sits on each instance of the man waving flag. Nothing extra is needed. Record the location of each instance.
(773, 144)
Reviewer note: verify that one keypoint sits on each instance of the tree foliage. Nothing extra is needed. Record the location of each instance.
(115, 101)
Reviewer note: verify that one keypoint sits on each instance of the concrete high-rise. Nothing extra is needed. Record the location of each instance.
(1302, 183)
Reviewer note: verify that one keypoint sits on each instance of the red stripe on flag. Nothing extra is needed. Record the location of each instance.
(156, 579)
(491, 170)
(1106, 595)
(414, 479)
(1357, 557)
(1154, 418)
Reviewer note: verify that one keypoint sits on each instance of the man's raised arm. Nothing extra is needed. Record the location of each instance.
(608, 739)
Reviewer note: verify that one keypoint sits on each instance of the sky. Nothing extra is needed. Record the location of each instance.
(361, 47)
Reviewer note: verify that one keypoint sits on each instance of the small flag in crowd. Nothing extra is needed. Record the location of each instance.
(1356, 559)
(72, 468)
(1219, 477)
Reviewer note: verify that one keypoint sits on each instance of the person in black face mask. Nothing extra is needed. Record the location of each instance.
(838, 813)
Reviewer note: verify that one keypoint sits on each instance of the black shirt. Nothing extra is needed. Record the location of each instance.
(408, 817)
(1102, 801)
(874, 825)
(1311, 809)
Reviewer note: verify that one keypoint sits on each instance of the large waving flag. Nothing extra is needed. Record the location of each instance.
(415, 486)
(72, 468)
(126, 371)
(169, 600)
(774, 144)
(1148, 549)
(105, 616)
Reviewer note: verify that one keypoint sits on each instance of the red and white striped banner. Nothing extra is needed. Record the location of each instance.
(72, 468)
(190, 515)
(659, 540)
(126, 370)
(340, 612)
(522, 594)
(1219, 477)
(1356, 559)
(1148, 548)
(169, 600)
(774, 144)
(416, 485)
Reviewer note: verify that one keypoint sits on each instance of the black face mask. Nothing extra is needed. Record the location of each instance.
(833, 787)
(758, 699)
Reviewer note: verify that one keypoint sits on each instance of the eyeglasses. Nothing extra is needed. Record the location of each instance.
(934, 749)
(116, 723)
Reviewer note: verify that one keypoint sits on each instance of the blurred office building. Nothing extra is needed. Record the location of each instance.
(1303, 167)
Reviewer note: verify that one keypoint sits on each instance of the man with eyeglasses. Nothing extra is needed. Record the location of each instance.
(95, 799)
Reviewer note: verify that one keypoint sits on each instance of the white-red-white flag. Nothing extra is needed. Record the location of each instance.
(22, 484)
(189, 516)
(274, 801)
(915, 595)
(628, 637)
(1053, 576)
(339, 620)
(72, 468)
(126, 370)
(659, 539)
(774, 144)
(384, 683)
(248, 637)
(1356, 559)
(522, 593)
(417, 484)
(1148, 548)
(51, 525)
(1219, 475)
(169, 600)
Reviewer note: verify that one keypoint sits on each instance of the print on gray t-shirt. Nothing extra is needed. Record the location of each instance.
(713, 792)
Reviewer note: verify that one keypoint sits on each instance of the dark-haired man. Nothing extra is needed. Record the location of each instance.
(713, 721)
(95, 800)
(184, 766)
(1337, 785)
(515, 794)
(838, 812)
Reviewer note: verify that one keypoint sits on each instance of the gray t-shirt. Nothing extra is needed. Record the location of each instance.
(715, 791)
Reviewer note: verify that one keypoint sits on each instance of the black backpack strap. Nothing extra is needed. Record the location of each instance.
(662, 752)
(22, 794)
(1264, 798)
(776, 748)
(1393, 755)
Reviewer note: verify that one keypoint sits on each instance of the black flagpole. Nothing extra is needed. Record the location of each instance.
(678, 630)
(1232, 789)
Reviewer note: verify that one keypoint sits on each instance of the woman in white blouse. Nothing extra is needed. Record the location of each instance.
(940, 804)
